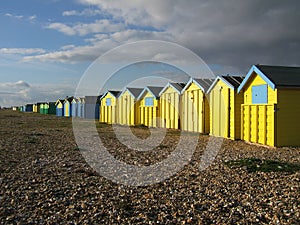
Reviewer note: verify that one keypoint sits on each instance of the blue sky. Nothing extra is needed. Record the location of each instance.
(46, 46)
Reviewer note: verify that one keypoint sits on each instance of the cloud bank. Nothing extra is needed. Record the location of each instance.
(231, 34)
(20, 92)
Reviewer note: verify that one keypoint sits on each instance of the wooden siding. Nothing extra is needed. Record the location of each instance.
(149, 115)
(288, 119)
(258, 124)
(67, 110)
(128, 111)
(195, 108)
(108, 113)
(170, 108)
(255, 81)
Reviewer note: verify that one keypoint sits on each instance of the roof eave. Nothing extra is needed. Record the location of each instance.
(166, 87)
(260, 73)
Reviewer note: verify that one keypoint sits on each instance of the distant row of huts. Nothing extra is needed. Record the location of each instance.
(83, 107)
(262, 107)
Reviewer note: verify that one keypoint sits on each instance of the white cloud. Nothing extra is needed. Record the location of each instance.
(98, 46)
(33, 17)
(83, 29)
(20, 93)
(22, 51)
(85, 12)
(13, 16)
(66, 47)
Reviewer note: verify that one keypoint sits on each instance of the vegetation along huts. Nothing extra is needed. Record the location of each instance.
(92, 107)
(170, 102)
(149, 106)
(108, 107)
(59, 107)
(271, 109)
(128, 106)
(195, 107)
(68, 107)
(225, 107)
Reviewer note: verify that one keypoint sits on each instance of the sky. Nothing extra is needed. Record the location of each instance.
(47, 46)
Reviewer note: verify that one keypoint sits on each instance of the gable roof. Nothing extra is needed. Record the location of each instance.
(275, 76)
(57, 101)
(151, 89)
(134, 92)
(113, 93)
(177, 86)
(69, 99)
(232, 82)
(202, 83)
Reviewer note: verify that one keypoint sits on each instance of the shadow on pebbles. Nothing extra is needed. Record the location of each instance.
(45, 179)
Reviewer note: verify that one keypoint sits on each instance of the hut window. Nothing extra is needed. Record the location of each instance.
(149, 101)
(260, 94)
(108, 102)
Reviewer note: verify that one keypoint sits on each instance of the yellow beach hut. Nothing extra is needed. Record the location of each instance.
(108, 107)
(271, 109)
(170, 100)
(195, 107)
(35, 107)
(128, 106)
(225, 107)
(149, 106)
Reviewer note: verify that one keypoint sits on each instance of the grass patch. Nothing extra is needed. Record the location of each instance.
(261, 165)
(31, 140)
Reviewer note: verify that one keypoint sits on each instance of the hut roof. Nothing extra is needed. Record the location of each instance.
(153, 90)
(202, 83)
(232, 81)
(275, 76)
(177, 86)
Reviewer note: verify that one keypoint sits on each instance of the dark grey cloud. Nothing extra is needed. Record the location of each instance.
(233, 34)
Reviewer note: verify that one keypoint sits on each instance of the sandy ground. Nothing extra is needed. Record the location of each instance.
(45, 179)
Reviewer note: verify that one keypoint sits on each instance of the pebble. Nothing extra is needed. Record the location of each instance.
(49, 181)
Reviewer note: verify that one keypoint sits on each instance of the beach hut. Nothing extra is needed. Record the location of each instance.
(43, 107)
(28, 107)
(108, 107)
(128, 106)
(91, 107)
(149, 106)
(23, 108)
(51, 109)
(59, 107)
(67, 106)
(195, 106)
(35, 108)
(170, 100)
(74, 107)
(270, 113)
(80, 105)
(225, 107)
